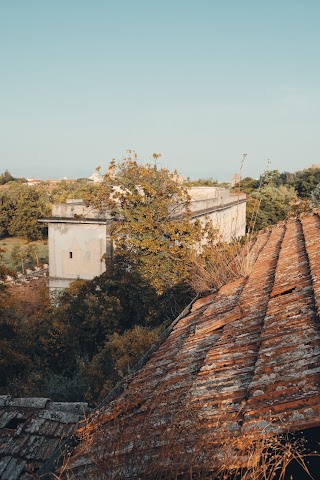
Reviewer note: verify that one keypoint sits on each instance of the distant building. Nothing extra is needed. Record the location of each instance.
(96, 177)
(33, 181)
(79, 236)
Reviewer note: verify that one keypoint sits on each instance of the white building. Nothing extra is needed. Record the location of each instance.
(226, 210)
(96, 177)
(79, 236)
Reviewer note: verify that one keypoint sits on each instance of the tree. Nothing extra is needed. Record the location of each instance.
(269, 205)
(205, 182)
(18, 257)
(153, 230)
(5, 177)
(6, 213)
(13, 360)
(115, 360)
(315, 197)
(247, 185)
(64, 190)
(78, 346)
(33, 253)
(270, 177)
(21, 208)
(306, 181)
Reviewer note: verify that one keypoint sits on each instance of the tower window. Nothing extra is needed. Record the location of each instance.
(70, 254)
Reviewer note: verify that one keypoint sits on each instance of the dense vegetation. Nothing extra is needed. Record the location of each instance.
(79, 346)
(22, 205)
(153, 232)
(275, 196)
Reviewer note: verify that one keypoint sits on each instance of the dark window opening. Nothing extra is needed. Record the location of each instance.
(70, 254)
(14, 422)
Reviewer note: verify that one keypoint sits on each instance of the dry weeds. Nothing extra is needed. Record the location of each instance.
(137, 440)
(220, 264)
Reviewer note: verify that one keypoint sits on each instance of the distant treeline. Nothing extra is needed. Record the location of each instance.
(22, 205)
(271, 198)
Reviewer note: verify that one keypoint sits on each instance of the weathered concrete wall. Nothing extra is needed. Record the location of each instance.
(75, 251)
(226, 210)
(78, 240)
(230, 222)
(76, 208)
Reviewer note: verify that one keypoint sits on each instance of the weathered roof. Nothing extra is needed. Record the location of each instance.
(243, 359)
(31, 429)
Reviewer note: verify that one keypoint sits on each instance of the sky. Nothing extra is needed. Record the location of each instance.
(200, 81)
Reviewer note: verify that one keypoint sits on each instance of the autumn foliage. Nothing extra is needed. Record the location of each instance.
(153, 231)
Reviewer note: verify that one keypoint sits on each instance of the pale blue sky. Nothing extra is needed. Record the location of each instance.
(201, 82)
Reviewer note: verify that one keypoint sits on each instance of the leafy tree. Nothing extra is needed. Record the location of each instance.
(306, 181)
(204, 182)
(6, 213)
(18, 257)
(115, 360)
(88, 312)
(33, 254)
(66, 190)
(153, 231)
(21, 208)
(287, 178)
(80, 344)
(248, 184)
(127, 349)
(5, 177)
(270, 177)
(269, 205)
(315, 197)
(13, 360)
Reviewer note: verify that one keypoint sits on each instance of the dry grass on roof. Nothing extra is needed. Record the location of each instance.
(237, 372)
(109, 451)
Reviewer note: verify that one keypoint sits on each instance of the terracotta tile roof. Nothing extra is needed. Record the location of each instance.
(246, 358)
(31, 429)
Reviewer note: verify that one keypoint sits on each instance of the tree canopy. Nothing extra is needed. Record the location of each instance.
(306, 181)
(269, 205)
(153, 230)
(6, 177)
(21, 208)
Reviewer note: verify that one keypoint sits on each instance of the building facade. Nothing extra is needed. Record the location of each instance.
(79, 236)
(79, 239)
(226, 210)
